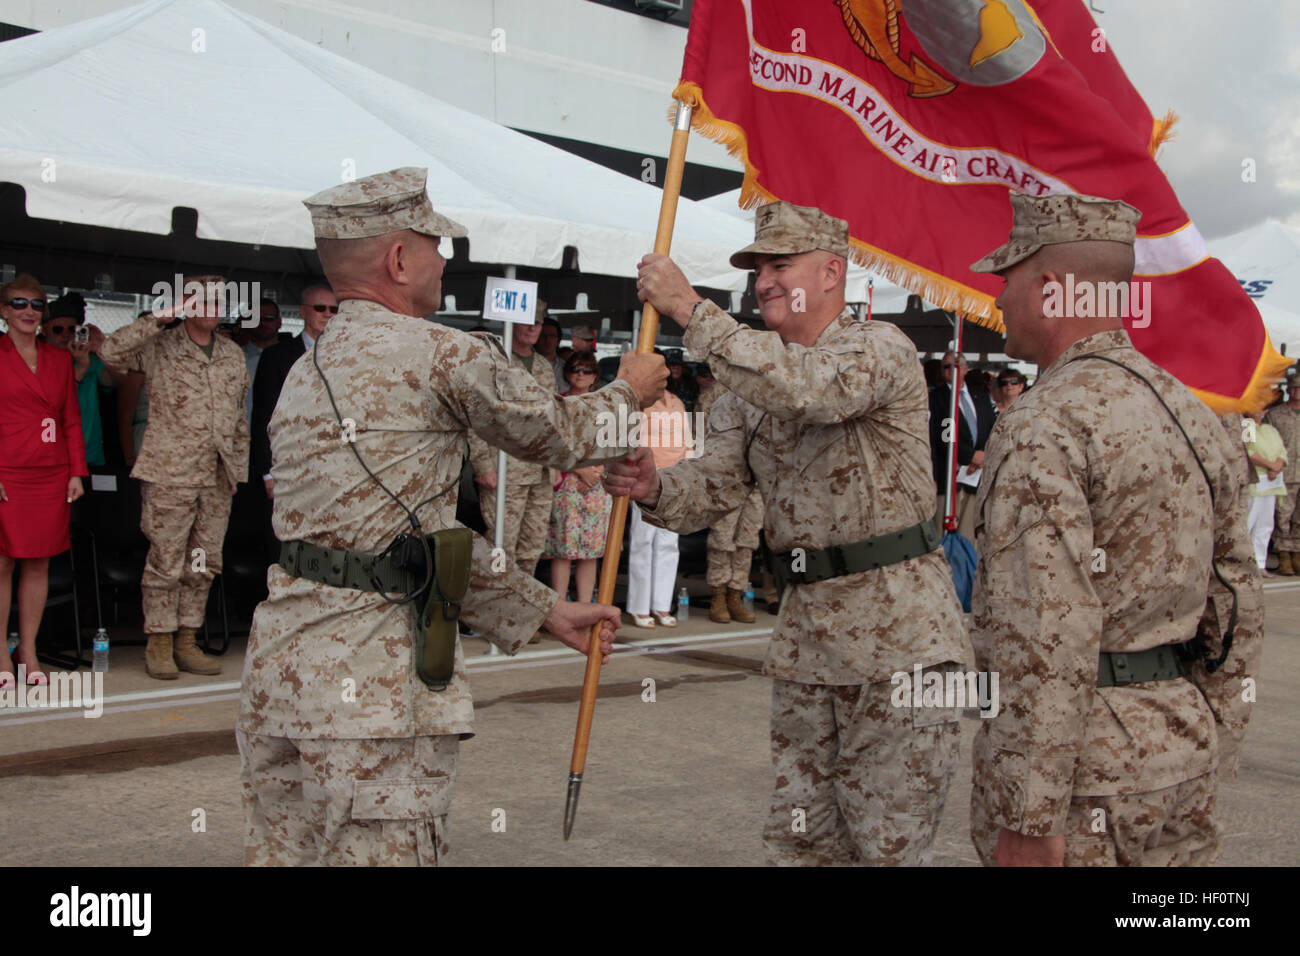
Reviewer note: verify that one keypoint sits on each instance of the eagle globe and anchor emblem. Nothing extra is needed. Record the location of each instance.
(980, 42)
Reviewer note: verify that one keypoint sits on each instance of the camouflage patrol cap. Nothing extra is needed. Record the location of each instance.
(377, 205)
(1066, 218)
(783, 229)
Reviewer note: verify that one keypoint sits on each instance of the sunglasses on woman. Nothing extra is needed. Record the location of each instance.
(36, 304)
(583, 371)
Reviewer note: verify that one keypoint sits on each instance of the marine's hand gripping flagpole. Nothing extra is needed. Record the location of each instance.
(618, 515)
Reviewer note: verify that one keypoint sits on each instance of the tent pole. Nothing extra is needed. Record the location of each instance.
(647, 333)
(499, 536)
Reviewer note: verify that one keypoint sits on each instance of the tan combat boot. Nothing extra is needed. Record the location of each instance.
(158, 657)
(1286, 562)
(736, 607)
(718, 607)
(190, 658)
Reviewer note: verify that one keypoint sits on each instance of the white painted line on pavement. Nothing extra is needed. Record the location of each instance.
(659, 647)
(476, 662)
(208, 693)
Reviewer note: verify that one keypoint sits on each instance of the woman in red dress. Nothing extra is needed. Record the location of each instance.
(42, 459)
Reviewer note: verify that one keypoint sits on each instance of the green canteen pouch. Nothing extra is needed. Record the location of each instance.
(435, 650)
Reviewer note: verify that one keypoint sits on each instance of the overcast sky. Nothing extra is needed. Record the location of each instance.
(1232, 73)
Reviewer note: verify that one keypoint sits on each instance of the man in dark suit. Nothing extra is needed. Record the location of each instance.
(318, 306)
(976, 415)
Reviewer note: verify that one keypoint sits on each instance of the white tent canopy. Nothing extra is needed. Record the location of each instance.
(1265, 259)
(245, 120)
(886, 296)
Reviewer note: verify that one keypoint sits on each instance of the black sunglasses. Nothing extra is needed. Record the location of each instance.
(1011, 381)
(332, 309)
(36, 304)
(60, 329)
(584, 371)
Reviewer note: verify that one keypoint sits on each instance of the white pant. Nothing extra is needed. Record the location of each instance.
(651, 567)
(1259, 522)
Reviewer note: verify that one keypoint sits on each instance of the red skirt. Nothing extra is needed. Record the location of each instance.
(34, 521)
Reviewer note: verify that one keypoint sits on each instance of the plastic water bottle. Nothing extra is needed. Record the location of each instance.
(683, 606)
(101, 652)
(749, 597)
(13, 641)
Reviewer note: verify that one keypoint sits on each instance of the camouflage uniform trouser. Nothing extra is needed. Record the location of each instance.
(732, 541)
(1286, 520)
(177, 520)
(528, 516)
(870, 778)
(1174, 826)
(346, 802)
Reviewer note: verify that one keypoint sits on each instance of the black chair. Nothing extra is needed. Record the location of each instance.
(120, 547)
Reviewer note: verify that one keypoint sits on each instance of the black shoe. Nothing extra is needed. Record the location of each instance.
(773, 607)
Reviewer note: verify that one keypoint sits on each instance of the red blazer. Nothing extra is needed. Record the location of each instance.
(37, 408)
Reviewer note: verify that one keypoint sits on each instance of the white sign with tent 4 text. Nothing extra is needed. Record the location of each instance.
(510, 300)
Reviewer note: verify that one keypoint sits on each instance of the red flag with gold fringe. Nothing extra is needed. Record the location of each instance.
(914, 126)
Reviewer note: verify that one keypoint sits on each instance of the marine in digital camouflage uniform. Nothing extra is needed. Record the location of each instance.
(195, 452)
(530, 487)
(827, 416)
(731, 543)
(1095, 533)
(346, 756)
(1286, 522)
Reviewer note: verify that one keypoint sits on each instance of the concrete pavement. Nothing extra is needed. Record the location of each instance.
(682, 779)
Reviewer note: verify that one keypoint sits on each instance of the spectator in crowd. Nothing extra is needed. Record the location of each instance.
(42, 462)
(194, 455)
(132, 411)
(257, 340)
(582, 338)
(680, 380)
(529, 487)
(1268, 454)
(705, 380)
(933, 371)
(1010, 385)
(580, 512)
(548, 346)
(318, 306)
(67, 314)
(732, 539)
(652, 552)
(1286, 525)
(976, 416)
(253, 502)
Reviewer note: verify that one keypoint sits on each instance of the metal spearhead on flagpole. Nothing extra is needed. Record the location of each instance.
(618, 514)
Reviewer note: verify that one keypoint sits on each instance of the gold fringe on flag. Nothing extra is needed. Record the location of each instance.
(1162, 131)
(937, 289)
(947, 293)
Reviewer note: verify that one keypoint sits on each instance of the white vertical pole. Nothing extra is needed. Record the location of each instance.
(500, 536)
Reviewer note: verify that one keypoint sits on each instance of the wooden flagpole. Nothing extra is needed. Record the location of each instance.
(618, 515)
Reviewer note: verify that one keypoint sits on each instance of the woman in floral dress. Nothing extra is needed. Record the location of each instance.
(580, 510)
